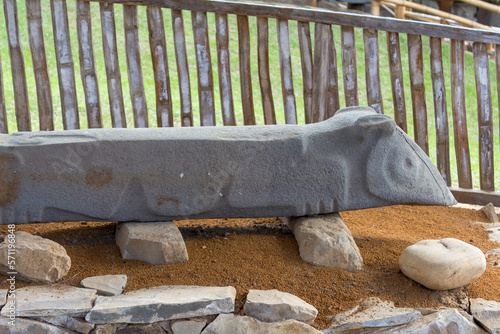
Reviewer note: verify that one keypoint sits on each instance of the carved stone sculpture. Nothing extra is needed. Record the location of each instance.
(357, 159)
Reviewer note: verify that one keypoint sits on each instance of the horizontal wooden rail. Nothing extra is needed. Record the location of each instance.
(324, 16)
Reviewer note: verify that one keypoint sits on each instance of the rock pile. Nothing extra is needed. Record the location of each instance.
(376, 316)
(165, 309)
(210, 310)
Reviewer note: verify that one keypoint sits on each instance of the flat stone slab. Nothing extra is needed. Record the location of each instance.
(162, 303)
(107, 285)
(375, 315)
(24, 326)
(354, 160)
(442, 264)
(37, 259)
(445, 321)
(324, 240)
(155, 243)
(188, 326)
(42, 301)
(277, 306)
(487, 313)
(233, 324)
(77, 325)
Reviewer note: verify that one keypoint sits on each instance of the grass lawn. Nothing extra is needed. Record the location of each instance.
(275, 76)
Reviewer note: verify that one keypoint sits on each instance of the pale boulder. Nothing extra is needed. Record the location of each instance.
(325, 240)
(37, 259)
(442, 264)
(277, 306)
(155, 243)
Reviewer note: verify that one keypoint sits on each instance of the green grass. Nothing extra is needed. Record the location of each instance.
(275, 76)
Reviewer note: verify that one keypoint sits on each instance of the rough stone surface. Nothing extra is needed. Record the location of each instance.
(42, 301)
(445, 321)
(155, 243)
(141, 329)
(494, 232)
(3, 297)
(162, 303)
(277, 306)
(233, 324)
(37, 259)
(325, 240)
(24, 326)
(108, 328)
(107, 285)
(442, 264)
(78, 325)
(487, 313)
(188, 326)
(356, 159)
(373, 315)
(489, 211)
(493, 257)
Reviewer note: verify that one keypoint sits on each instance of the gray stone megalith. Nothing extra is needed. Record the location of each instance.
(356, 159)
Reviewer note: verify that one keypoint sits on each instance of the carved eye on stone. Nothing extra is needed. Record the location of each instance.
(398, 170)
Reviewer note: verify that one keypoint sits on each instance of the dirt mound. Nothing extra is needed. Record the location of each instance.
(263, 254)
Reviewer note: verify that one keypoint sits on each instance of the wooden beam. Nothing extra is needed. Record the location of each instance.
(475, 196)
(324, 16)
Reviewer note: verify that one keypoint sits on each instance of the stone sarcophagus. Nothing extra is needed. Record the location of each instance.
(356, 159)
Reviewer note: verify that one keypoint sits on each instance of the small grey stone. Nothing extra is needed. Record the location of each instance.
(325, 240)
(233, 324)
(277, 306)
(442, 264)
(78, 325)
(37, 259)
(107, 285)
(162, 303)
(489, 211)
(487, 313)
(375, 315)
(27, 326)
(155, 243)
(188, 326)
(42, 301)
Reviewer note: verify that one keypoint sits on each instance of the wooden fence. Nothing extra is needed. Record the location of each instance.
(320, 74)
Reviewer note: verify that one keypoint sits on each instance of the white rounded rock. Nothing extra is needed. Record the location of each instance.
(442, 264)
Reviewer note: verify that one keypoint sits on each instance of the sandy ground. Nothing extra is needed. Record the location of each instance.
(263, 254)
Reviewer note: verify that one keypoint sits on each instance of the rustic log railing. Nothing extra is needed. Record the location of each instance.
(318, 61)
